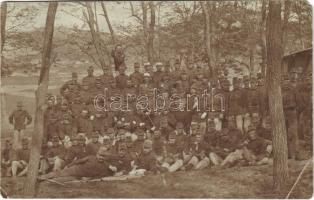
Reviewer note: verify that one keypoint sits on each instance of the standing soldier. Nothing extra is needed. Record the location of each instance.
(19, 118)
(118, 56)
(137, 77)
(106, 78)
(157, 76)
(176, 74)
(236, 104)
(253, 96)
(122, 78)
(290, 110)
(148, 69)
(90, 79)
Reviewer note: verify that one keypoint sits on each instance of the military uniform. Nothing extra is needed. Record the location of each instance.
(19, 119)
(290, 96)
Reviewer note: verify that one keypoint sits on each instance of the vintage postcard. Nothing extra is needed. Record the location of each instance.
(156, 99)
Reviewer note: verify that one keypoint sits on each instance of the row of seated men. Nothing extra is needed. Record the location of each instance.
(120, 152)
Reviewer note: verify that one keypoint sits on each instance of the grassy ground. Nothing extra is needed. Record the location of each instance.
(238, 182)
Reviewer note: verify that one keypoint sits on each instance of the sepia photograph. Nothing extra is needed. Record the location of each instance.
(156, 99)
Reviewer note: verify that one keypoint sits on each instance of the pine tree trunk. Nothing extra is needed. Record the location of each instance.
(3, 22)
(274, 58)
(207, 37)
(263, 39)
(151, 32)
(37, 137)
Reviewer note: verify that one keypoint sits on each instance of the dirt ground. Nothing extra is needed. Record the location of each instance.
(237, 182)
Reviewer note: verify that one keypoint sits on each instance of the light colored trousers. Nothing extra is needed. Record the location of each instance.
(17, 137)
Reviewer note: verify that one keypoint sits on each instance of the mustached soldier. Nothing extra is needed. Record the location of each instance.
(19, 118)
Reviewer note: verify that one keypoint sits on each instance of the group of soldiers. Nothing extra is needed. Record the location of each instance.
(83, 141)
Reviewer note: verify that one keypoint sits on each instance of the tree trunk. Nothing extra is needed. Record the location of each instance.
(3, 22)
(298, 11)
(151, 32)
(95, 37)
(263, 39)
(207, 37)
(37, 137)
(274, 58)
(285, 23)
(108, 22)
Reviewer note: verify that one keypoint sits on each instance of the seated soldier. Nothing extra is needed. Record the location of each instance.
(123, 161)
(20, 163)
(77, 150)
(173, 156)
(227, 145)
(94, 143)
(6, 158)
(146, 161)
(53, 157)
(158, 145)
(197, 157)
(256, 150)
(94, 166)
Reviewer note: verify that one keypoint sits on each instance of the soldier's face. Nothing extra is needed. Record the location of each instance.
(172, 140)
(147, 149)
(90, 72)
(74, 79)
(159, 68)
(25, 145)
(177, 66)
(180, 130)
(122, 152)
(146, 79)
(252, 135)
(19, 107)
(137, 68)
(140, 136)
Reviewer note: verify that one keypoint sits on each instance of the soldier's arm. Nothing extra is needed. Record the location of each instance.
(29, 118)
(78, 161)
(11, 118)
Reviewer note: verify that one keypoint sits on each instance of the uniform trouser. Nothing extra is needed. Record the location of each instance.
(56, 163)
(199, 164)
(16, 165)
(239, 121)
(17, 137)
(218, 124)
(292, 132)
(305, 125)
(202, 127)
(233, 157)
(173, 167)
(71, 171)
(215, 159)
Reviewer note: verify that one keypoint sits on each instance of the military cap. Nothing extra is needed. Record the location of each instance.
(158, 64)
(146, 64)
(146, 75)
(90, 68)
